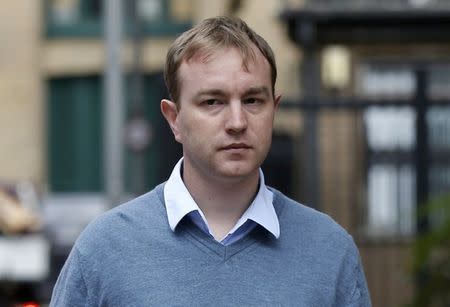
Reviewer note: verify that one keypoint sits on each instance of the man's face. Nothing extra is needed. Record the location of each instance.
(225, 117)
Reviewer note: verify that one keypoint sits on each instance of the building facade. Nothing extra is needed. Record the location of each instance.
(357, 165)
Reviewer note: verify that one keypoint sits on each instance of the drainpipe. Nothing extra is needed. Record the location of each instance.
(113, 106)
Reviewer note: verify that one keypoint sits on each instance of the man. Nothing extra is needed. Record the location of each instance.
(214, 234)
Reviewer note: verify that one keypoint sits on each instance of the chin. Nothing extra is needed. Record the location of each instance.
(238, 171)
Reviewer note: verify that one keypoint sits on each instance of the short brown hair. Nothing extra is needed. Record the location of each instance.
(210, 35)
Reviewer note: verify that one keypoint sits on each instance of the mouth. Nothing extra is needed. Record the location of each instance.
(236, 146)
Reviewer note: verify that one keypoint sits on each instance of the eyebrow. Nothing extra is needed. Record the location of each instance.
(212, 92)
(257, 91)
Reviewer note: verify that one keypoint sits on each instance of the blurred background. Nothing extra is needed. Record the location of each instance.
(363, 132)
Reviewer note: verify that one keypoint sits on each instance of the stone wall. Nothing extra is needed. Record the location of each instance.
(22, 122)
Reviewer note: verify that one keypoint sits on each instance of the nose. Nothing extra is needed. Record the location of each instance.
(236, 121)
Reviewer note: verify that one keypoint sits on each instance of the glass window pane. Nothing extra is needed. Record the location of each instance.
(407, 200)
(439, 179)
(64, 11)
(439, 80)
(70, 12)
(438, 122)
(385, 81)
(390, 128)
(150, 10)
(382, 213)
(391, 200)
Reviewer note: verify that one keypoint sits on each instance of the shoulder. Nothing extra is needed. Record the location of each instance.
(125, 232)
(316, 239)
(304, 226)
(136, 217)
(297, 215)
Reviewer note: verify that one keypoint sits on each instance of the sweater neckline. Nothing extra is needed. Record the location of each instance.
(210, 246)
(215, 249)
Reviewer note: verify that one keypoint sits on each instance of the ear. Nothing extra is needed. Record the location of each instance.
(170, 112)
(277, 101)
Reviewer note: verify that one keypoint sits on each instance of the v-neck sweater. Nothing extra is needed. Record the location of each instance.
(129, 256)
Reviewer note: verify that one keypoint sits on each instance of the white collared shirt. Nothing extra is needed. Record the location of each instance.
(180, 203)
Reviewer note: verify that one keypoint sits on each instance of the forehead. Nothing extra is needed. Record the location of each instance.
(224, 67)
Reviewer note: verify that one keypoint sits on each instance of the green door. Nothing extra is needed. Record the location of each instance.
(74, 135)
(75, 155)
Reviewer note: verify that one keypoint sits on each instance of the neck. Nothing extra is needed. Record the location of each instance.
(223, 201)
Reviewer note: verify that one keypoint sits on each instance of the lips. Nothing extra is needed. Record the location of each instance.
(236, 146)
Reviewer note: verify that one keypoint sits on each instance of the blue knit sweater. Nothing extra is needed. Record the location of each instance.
(130, 257)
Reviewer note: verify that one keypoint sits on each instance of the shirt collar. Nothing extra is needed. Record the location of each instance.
(179, 203)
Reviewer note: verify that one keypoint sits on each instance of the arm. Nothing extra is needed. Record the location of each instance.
(70, 288)
(352, 287)
(360, 294)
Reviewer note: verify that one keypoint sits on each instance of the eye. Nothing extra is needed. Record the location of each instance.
(251, 100)
(211, 102)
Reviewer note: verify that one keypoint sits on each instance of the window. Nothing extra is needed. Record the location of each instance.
(83, 18)
(438, 123)
(74, 17)
(385, 82)
(346, 5)
(391, 174)
(75, 147)
(163, 17)
(439, 78)
(391, 143)
(390, 135)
